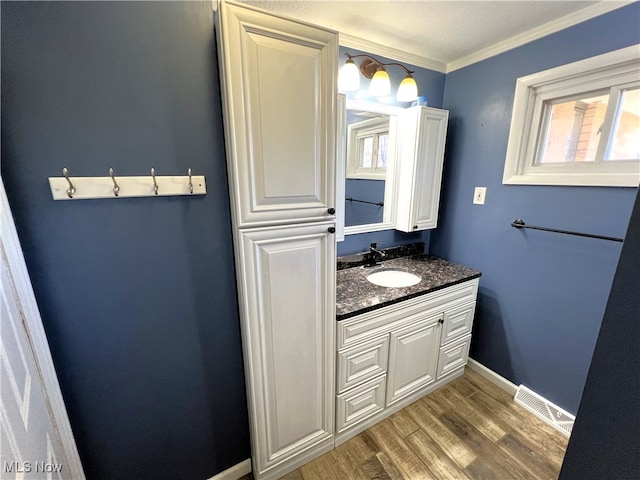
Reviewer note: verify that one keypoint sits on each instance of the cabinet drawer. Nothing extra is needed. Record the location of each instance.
(457, 322)
(360, 403)
(362, 362)
(453, 356)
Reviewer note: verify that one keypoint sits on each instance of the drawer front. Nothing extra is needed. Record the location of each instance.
(362, 362)
(384, 320)
(453, 356)
(458, 322)
(360, 403)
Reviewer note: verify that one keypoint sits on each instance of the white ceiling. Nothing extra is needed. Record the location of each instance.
(442, 35)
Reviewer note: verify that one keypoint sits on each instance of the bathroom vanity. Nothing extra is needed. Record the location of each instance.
(281, 117)
(396, 344)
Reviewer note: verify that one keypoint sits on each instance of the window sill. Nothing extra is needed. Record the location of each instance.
(575, 179)
(366, 176)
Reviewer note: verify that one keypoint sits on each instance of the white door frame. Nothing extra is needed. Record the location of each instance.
(36, 334)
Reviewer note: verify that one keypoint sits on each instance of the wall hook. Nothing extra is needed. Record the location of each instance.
(116, 188)
(63, 187)
(155, 184)
(71, 191)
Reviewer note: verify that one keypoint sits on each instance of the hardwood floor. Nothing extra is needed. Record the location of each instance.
(467, 430)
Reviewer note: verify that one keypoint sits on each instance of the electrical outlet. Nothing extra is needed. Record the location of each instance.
(478, 195)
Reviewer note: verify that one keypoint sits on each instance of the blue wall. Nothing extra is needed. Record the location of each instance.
(137, 296)
(542, 295)
(430, 85)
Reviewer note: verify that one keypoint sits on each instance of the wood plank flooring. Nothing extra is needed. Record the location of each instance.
(468, 430)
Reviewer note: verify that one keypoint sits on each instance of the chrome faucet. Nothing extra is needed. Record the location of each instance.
(373, 252)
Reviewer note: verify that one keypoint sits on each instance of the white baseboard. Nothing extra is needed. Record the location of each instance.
(235, 472)
(493, 377)
(552, 414)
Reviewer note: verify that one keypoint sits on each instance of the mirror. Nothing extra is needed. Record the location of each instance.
(370, 146)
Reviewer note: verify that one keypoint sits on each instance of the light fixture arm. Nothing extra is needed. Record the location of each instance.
(368, 69)
(373, 69)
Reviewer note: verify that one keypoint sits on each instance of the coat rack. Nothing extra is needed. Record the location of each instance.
(113, 186)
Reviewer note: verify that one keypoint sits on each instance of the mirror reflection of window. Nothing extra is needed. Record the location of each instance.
(370, 135)
(373, 151)
(367, 153)
(383, 150)
(366, 158)
(367, 148)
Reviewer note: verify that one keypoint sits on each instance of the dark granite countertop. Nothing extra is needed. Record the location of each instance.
(356, 295)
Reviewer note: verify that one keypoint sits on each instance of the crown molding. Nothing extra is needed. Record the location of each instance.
(561, 23)
(351, 41)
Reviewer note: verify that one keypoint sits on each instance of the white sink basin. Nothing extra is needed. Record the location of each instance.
(393, 278)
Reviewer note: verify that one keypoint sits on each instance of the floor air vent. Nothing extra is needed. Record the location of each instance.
(543, 408)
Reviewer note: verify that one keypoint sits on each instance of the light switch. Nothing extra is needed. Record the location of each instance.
(478, 195)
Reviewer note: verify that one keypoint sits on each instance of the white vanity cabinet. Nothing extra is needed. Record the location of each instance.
(419, 170)
(278, 80)
(427, 340)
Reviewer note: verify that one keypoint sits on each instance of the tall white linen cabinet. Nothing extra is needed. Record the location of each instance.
(278, 79)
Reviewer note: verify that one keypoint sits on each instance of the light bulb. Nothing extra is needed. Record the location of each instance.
(349, 77)
(408, 89)
(380, 85)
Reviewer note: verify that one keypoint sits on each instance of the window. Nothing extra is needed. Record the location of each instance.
(578, 124)
(368, 149)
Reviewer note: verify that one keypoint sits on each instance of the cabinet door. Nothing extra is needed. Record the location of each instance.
(420, 170)
(288, 324)
(279, 90)
(413, 358)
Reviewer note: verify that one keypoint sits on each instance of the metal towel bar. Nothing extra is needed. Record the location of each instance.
(349, 199)
(519, 223)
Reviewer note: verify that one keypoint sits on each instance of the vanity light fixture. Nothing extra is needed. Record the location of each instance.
(380, 86)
